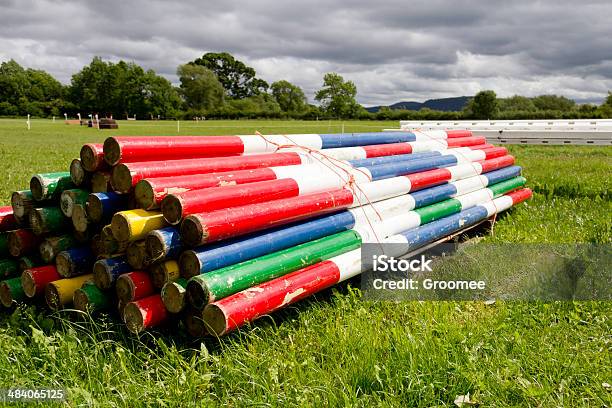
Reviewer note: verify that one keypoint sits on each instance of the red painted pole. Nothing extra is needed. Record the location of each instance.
(7, 219)
(176, 206)
(151, 191)
(234, 311)
(126, 175)
(34, 280)
(144, 313)
(121, 149)
(133, 286)
(198, 229)
(92, 157)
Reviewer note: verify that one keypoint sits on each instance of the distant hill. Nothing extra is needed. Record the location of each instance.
(443, 104)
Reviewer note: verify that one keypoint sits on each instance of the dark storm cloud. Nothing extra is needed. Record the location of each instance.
(393, 50)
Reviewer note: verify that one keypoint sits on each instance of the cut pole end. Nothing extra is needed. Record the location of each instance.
(172, 209)
(173, 296)
(214, 320)
(189, 264)
(112, 151)
(145, 195)
(121, 178)
(133, 318)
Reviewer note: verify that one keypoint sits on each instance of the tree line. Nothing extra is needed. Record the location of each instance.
(217, 85)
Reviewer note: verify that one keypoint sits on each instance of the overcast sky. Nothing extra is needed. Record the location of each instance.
(392, 50)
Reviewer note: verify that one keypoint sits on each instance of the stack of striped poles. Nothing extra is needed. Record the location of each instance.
(220, 230)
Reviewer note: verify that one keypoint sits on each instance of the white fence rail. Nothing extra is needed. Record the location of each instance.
(558, 132)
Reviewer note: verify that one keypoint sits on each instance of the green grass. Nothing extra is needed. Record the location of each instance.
(335, 349)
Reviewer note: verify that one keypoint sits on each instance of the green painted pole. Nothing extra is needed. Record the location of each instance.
(11, 291)
(22, 203)
(90, 298)
(215, 285)
(50, 185)
(48, 220)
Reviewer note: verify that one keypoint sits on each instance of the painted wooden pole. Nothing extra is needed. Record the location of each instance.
(164, 272)
(222, 254)
(90, 298)
(102, 206)
(464, 197)
(133, 286)
(163, 243)
(78, 175)
(70, 198)
(48, 220)
(11, 292)
(22, 203)
(144, 314)
(52, 246)
(136, 254)
(121, 149)
(49, 186)
(8, 268)
(176, 206)
(207, 288)
(462, 155)
(59, 294)
(74, 262)
(234, 311)
(198, 229)
(133, 225)
(101, 182)
(174, 295)
(7, 219)
(125, 176)
(22, 242)
(92, 157)
(34, 280)
(150, 192)
(392, 149)
(107, 271)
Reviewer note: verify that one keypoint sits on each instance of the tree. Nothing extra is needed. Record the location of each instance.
(200, 87)
(337, 96)
(553, 102)
(516, 103)
(289, 97)
(237, 78)
(483, 105)
(24, 91)
(122, 89)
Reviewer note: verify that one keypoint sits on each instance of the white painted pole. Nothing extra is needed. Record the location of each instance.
(53, 119)
(28, 122)
(178, 126)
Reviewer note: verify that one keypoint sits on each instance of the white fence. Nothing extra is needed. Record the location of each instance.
(578, 131)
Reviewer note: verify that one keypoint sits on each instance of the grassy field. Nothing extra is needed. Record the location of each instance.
(335, 349)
